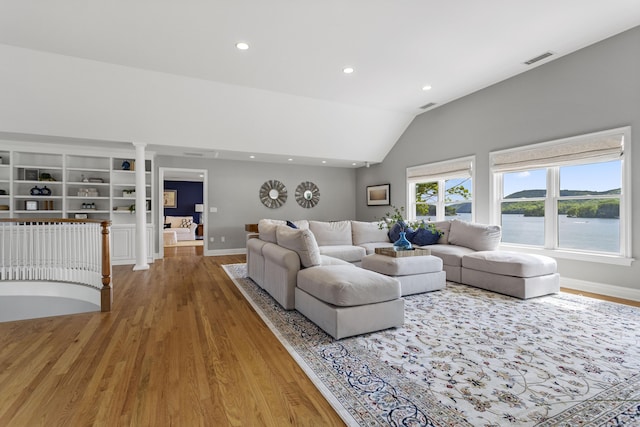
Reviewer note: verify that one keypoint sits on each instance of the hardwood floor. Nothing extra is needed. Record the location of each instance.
(601, 297)
(174, 251)
(181, 347)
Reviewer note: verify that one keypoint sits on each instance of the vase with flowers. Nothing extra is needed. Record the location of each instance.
(401, 231)
(394, 221)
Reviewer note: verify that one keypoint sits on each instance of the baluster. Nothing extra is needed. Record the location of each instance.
(57, 250)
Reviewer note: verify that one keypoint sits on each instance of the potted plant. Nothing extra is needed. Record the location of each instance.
(395, 222)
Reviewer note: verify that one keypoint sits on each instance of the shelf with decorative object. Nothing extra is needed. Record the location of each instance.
(88, 189)
(56, 180)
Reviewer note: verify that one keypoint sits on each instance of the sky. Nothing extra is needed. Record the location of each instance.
(594, 177)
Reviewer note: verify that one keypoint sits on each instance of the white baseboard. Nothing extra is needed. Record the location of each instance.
(218, 252)
(600, 288)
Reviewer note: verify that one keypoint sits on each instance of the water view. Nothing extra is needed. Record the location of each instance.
(594, 234)
(588, 195)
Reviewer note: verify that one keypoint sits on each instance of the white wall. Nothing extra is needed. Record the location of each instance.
(49, 94)
(594, 89)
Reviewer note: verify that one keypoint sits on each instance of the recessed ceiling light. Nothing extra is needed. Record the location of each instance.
(242, 46)
(348, 70)
(324, 161)
(252, 157)
(353, 164)
(426, 87)
(291, 160)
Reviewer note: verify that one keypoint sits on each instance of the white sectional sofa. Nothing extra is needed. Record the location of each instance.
(275, 267)
(278, 258)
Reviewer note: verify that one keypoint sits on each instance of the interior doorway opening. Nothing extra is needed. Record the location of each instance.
(183, 208)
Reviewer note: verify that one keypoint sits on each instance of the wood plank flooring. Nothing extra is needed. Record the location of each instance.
(181, 347)
(601, 297)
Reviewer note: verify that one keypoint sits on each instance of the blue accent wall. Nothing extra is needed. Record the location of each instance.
(188, 193)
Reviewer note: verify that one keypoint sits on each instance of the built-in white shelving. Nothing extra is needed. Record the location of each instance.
(40, 181)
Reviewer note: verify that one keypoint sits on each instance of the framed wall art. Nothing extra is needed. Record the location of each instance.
(379, 195)
(170, 198)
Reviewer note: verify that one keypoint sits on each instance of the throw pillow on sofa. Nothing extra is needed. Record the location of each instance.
(186, 223)
(479, 237)
(368, 232)
(267, 229)
(303, 242)
(424, 237)
(335, 233)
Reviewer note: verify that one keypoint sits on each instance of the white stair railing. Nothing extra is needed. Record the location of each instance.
(57, 250)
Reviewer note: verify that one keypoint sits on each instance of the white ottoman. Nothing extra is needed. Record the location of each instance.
(511, 273)
(169, 237)
(416, 273)
(345, 300)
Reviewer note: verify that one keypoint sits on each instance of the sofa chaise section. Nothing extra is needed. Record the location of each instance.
(515, 274)
(344, 300)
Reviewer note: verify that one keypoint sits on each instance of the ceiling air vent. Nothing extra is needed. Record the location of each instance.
(538, 58)
(429, 105)
(193, 154)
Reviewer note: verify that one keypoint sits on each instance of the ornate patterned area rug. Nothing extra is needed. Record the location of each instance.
(468, 357)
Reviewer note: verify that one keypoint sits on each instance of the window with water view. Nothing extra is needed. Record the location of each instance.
(574, 204)
(442, 191)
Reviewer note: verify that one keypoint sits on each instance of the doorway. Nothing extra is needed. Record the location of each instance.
(182, 196)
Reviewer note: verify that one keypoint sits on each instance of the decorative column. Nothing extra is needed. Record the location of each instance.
(141, 210)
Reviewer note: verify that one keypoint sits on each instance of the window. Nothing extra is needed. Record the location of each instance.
(569, 196)
(442, 190)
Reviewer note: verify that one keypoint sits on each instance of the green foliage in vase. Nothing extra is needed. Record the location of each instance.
(390, 218)
(397, 216)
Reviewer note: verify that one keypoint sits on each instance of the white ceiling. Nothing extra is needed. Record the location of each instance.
(299, 47)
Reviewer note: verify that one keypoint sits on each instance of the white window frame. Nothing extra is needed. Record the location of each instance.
(440, 172)
(551, 200)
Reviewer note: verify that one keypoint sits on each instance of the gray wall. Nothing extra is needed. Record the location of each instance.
(594, 89)
(233, 188)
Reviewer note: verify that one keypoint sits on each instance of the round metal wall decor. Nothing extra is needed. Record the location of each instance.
(273, 194)
(307, 194)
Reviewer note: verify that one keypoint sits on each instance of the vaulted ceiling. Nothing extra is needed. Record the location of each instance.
(298, 50)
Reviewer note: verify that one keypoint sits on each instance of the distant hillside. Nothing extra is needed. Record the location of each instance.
(542, 193)
(581, 208)
(588, 208)
(464, 207)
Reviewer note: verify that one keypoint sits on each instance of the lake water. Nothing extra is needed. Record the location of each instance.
(594, 234)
